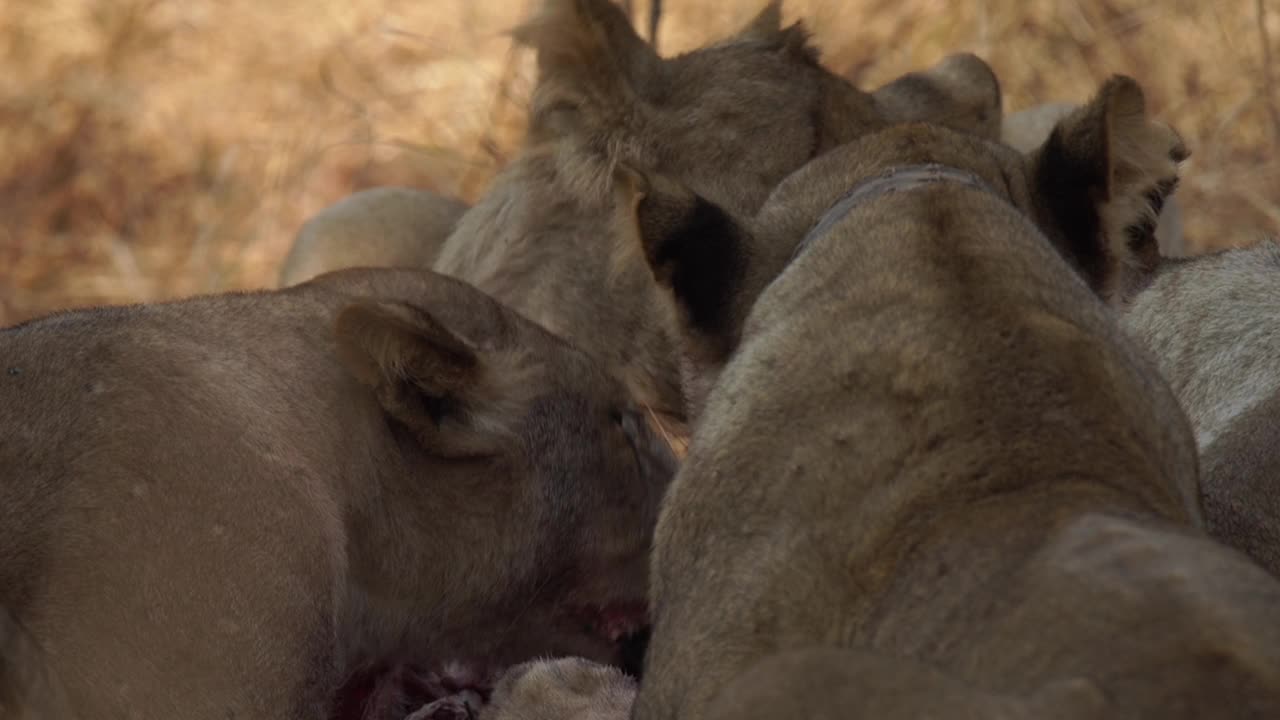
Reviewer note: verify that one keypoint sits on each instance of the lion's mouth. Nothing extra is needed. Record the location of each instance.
(392, 691)
(612, 622)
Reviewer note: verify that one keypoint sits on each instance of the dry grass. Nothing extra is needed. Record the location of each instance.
(156, 148)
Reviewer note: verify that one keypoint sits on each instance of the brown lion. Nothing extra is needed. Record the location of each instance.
(924, 441)
(222, 506)
(730, 120)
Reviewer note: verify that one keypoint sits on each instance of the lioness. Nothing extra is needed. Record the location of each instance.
(379, 227)
(405, 227)
(730, 120)
(1026, 130)
(1213, 324)
(927, 440)
(218, 507)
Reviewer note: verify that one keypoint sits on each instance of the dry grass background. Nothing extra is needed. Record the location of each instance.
(158, 148)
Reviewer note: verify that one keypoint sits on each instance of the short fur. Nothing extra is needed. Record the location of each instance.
(1139, 173)
(1241, 484)
(29, 690)
(379, 227)
(567, 689)
(931, 442)
(960, 92)
(1213, 324)
(1069, 190)
(829, 683)
(219, 506)
(729, 120)
(1026, 130)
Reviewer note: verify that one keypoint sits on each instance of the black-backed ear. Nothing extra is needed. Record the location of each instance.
(591, 63)
(459, 400)
(700, 253)
(1100, 181)
(960, 92)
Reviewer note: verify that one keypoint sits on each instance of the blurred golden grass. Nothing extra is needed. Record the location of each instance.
(155, 148)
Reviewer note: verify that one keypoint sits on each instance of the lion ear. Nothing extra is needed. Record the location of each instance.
(960, 92)
(698, 252)
(591, 62)
(459, 400)
(1100, 181)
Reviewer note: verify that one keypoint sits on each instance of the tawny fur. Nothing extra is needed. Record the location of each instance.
(1068, 191)
(1130, 161)
(29, 688)
(220, 506)
(828, 683)
(566, 689)
(729, 120)
(1027, 129)
(931, 442)
(960, 92)
(379, 227)
(1213, 324)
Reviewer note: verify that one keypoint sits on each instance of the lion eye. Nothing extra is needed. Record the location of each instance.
(632, 424)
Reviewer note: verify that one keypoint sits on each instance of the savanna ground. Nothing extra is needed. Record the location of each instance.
(160, 148)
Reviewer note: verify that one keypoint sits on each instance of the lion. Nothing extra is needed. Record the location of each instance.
(378, 227)
(961, 92)
(1027, 129)
(730, 120)
(222, 506)
(1205, 321)
(406, 227)
(926, 438)
(1211, 323)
